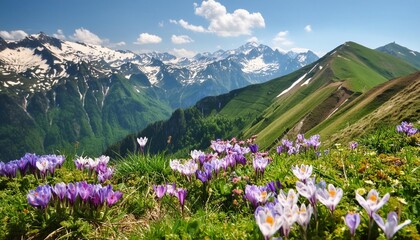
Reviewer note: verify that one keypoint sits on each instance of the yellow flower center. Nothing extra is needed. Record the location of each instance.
(269, 220)
(302, 169)
(373, 198)
(264, 195)
(332, 193)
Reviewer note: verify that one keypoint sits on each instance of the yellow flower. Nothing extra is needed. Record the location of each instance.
(361, 191)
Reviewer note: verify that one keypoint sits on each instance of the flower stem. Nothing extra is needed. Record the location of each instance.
(370, 227)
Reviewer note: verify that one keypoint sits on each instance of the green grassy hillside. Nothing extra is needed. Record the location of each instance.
(285, 106)
(393, 101)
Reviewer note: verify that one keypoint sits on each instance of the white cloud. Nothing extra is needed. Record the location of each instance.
(160, 24)
(252, 39)
(86, 36)
(146, 38)
(225, 24)
(189, 26)
(182, 52)
(222, 23)
(122, 43)
(13, 35)
(59, 34)
(308, 28)
(281, 40)
(181, 39)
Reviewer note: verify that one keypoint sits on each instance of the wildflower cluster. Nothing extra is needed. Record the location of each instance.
(98, 166)
(284, 211)
(300, 145)
(82, 193)
(227, 156)
(171, 190)
(407, 128)
(32, 164)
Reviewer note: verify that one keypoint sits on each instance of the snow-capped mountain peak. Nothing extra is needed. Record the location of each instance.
(43, 61)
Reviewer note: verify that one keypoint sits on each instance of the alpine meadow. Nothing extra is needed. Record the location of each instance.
(131, 120)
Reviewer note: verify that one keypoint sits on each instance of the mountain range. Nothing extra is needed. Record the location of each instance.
(347, 86)
(67, 95)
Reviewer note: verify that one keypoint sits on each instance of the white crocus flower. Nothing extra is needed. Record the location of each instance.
(195, 154)
(290, 216)
(391, 226)
(303, 172)
(373, 202)
(289, 200)
(142, 141)
(268, 221)
(304, 215)
(330, 197)
(307, 190)
(42, 164)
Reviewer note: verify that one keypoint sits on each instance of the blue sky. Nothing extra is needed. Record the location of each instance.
(186, 27)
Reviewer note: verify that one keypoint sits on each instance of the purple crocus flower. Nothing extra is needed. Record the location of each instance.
(407, 128)
(40, 197)
(253, 148)
(271, 186)
(256, 194)
(181, 195)
(280, 149)
(292, 150)
(71, 193)
(315, 140)
(32, 159)
(251, 194)
(113, 197)
(101, 167)
(60, 190)
(23, 166)
(353, 145)
(103, 176)
(100, 194)
(1, 168)
(259, 164)
(203, 176)
(10, 169)
(171, 189)
(160, 190)
(84, 190)
(240, 158)
(217, 164)
(202, 159)
(352, 221)
(274, 186)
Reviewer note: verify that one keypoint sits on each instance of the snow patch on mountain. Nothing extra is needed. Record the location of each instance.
(21, 59)
(257, 65)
